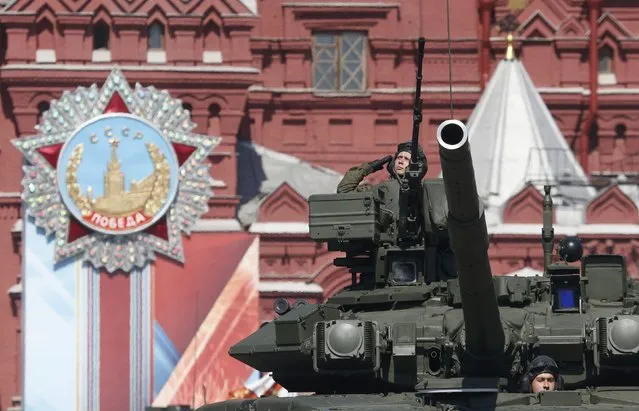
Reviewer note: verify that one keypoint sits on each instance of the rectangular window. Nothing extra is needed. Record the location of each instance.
(339, 62)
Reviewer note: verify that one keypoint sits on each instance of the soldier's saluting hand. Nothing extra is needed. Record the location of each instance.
(379, 164)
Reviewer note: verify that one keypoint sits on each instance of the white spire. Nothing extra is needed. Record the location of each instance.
(514, 140)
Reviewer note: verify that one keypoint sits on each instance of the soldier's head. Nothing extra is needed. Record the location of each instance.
(401, 160)
(543, 375)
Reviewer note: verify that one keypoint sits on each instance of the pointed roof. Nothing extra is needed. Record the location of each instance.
(251, 5)
(514, 141)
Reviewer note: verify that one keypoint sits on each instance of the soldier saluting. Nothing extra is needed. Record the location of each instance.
(414, 211)
(429, 203)
(396, 166)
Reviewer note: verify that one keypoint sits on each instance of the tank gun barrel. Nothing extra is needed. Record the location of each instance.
(469, 240)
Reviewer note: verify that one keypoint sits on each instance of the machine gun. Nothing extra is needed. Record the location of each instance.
(410, 222)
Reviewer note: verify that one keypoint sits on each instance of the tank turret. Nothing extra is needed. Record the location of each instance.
(469, 239)
(402, 336)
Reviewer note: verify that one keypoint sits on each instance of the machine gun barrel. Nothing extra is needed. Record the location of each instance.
(469, 240)
(409, 219)
(417, 104)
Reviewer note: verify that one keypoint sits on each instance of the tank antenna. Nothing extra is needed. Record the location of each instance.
(450, 62)
(547, 232)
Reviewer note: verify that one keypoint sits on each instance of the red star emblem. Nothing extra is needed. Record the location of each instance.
(52, 153)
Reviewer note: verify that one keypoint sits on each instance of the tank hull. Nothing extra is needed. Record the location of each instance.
(572, 401)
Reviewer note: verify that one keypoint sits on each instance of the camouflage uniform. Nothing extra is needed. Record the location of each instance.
(433, 205)
(352, 178)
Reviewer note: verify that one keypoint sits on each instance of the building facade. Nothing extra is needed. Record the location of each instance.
(300, 91)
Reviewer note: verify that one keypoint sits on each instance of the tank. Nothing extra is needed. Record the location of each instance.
(402, 338)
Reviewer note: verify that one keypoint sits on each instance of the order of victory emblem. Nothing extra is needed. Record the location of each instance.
(116, 174)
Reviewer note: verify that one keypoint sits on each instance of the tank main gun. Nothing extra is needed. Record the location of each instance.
(469, 239)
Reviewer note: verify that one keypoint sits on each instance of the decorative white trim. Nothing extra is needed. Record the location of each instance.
(15, 289)
(17, 226)
(289, 287)
(287, 227)
(147, 67)
(595, 229)
(607, 79)
(9, 194)
(530, 19)
(586, 92)
(344, 4)
(45, 56)
(561, 90)
(607, 15)
(367, 92)
(156, 56)
(212, 57)
(213, 225)
(445, 89)
(533, 230)
(218, 184)
(101, 56)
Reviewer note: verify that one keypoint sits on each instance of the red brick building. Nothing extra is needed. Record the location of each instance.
(299, 91)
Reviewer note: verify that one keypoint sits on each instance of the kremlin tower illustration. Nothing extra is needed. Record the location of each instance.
(147, 195)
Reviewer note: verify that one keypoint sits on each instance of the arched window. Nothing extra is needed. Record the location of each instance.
(212, 52)
(45, 42)
(605, 59)
(211, 36)
(156, 36)
(620, 153)
(44, 38)
(620, 131)
(101, 34)
(214, 120)
(42, 107)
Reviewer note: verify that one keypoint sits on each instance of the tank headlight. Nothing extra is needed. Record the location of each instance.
(344, 339)
(346, 346)
(624, 335)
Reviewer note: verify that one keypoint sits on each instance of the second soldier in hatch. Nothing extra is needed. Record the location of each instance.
(433, 205)
(543, 375)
